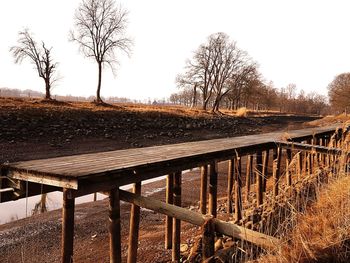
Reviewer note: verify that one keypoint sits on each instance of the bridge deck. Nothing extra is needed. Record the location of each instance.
(128, 166)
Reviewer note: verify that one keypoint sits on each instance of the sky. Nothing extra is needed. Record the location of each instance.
(301, 42)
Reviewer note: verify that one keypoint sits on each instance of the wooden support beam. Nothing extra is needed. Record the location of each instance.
(213, 184)
(199, 219)
(208, 239)
(276, 169)
(259, 178)
(169, 196)
(114, 226)
(230, 182)
(248, 176)
(288, 174)
(67, 228)
(134, 227)
(265, 169)
(203, 190)
(238, 189)
(176, 222)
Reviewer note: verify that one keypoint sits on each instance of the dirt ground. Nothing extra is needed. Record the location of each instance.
(32, 130)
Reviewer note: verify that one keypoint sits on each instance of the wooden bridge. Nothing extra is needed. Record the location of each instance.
(105, 172)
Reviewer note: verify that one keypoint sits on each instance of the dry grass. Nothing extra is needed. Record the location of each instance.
(321, 231)
(342, 118)
(242, 112)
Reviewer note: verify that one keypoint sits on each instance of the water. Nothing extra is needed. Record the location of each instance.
(14, 210)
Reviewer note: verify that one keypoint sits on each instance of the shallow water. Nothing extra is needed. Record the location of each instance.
(22, 208)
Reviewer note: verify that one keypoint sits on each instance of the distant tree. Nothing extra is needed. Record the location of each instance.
(100, 31)
(339, 92)
(40, 56)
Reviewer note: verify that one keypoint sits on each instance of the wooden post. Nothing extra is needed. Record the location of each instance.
(203, 194)
(134, 227)
(259, 177)
(67, 228)
(114, 226)
(248, 176)
(213, 184)
(265, 168)
(288, 174)
(176, 222)
(230, 183)
(168, 219)
(208, 239)
(277, 169)
(238, 189)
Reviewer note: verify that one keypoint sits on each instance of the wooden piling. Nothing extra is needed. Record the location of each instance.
(134, 227)
(114, 227)
(238, 189)
(230, 182)
(67, 227)
(204, 186)
(248, 176)
(288, 173)
(277, 169)
(265, 168)
(176, 222)
(259, 177)
(169, 195)
(208, 239)
(213, 184)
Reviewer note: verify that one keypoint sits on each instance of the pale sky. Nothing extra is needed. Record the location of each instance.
(303, 42)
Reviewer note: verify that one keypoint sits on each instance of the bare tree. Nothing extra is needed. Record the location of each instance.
(40, 56)
(100, 32)
(339, 92)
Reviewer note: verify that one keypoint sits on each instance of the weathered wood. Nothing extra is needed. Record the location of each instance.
(238, 189)
(213, 184)
(249, 169)
(114, 226)
(169, 196)
(288, 173)
(259, 178)
(134, 227)
(230, 182)
(265, 169)
(208, 239)
(199, 219)
(176, 222)
(67, 228)
(203, 190)
(277, 169)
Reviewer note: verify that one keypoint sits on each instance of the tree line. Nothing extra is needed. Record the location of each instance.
(221, 75)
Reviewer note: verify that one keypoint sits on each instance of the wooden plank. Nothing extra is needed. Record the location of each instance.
(265, 169)
(67, 228)
(32, 176)
(134, 227)
(203, 190)
(169, 196)
(114, 226)
(199, 219)
(213, 184)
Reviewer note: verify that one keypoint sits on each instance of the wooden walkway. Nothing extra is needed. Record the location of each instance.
(123, 167)
(106, 171)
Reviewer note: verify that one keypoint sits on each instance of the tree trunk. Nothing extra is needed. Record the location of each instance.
(98, 96)
(47, 89)
(194, 99)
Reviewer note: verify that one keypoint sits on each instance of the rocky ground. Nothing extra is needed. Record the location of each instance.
(33, 129)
